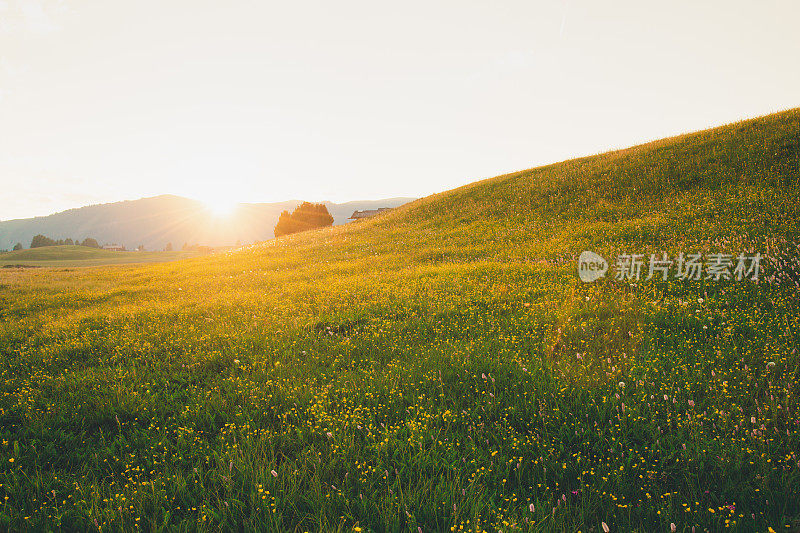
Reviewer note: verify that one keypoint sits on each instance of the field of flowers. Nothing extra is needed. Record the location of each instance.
(438, 368)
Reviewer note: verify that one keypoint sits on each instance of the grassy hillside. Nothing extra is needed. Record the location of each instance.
(440, 367)
(73, 256)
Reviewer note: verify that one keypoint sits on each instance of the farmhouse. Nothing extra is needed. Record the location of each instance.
(367, 213)
(113, 247)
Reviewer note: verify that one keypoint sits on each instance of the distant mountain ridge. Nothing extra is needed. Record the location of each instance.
(156, 221)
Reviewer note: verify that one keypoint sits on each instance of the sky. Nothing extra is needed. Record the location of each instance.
(105, 100)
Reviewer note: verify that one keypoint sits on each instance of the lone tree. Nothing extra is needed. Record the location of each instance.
(18, 246)
(305, 217)
(168, 247)
(90, 242)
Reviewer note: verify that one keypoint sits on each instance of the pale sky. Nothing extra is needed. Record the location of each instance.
(104, 100)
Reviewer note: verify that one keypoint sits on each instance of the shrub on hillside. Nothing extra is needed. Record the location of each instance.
(305, 217)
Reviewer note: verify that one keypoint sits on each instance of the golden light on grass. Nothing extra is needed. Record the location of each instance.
(443, 362)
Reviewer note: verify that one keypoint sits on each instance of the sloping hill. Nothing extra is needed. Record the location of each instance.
(156, 221)
(437, 367)
(73, 256)
(51, 253)
(739, 180)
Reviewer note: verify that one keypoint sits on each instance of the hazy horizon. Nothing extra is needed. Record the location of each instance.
(243, 203)
(110, 101)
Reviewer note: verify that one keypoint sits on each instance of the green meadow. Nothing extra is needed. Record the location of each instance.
(437, 368)
(77, 256)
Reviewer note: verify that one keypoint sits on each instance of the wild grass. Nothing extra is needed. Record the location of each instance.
(437, 368)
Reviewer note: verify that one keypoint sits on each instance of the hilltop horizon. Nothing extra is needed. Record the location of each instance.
(155, 221)
(182, 197)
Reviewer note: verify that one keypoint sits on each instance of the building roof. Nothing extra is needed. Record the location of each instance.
(368, 213)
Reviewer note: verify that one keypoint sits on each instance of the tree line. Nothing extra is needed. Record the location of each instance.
(39, 241)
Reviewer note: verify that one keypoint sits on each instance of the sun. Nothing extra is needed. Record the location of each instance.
(221, 207)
